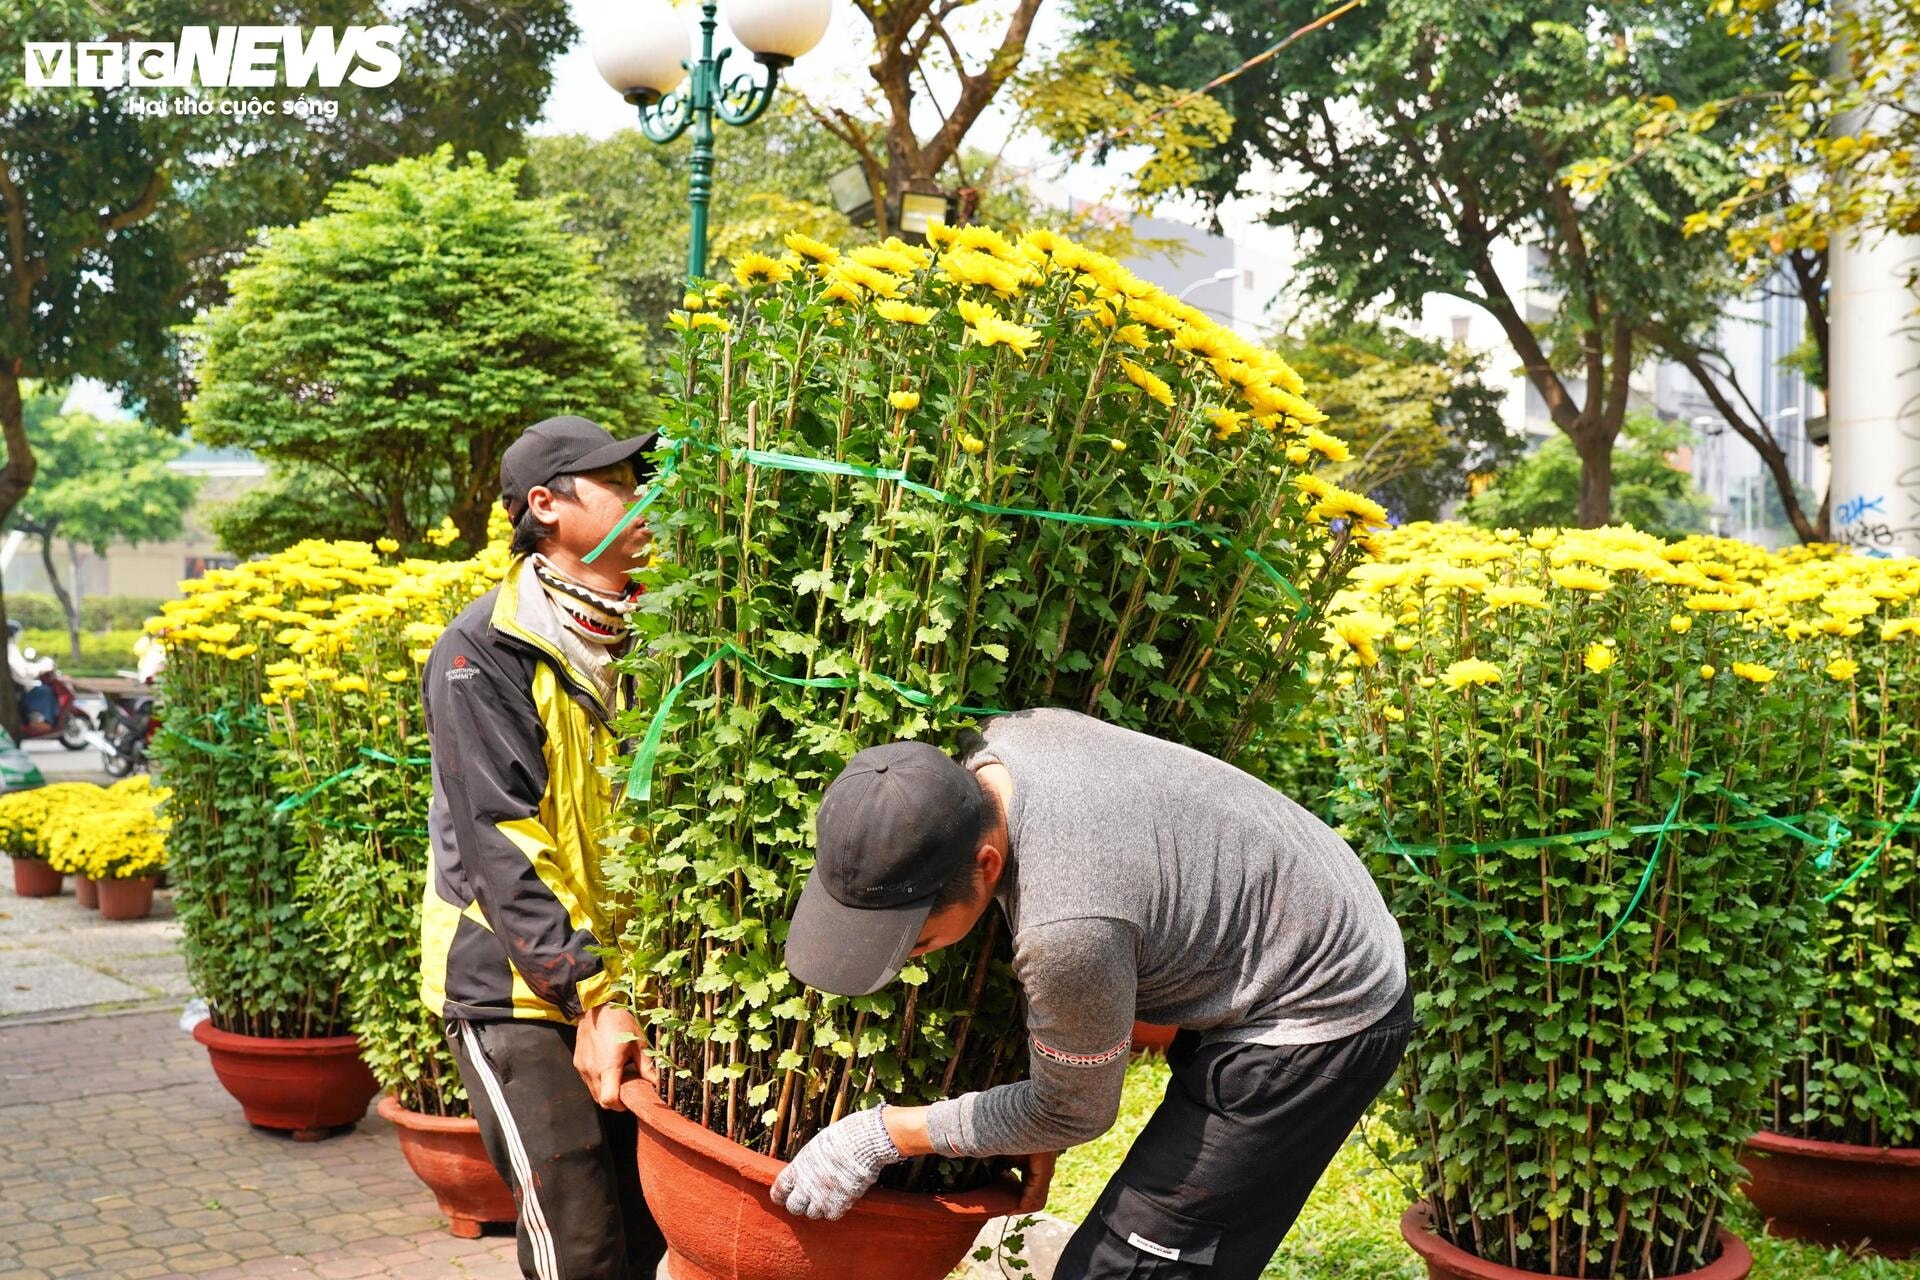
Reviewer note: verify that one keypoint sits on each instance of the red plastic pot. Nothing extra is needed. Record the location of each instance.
(711, 1199)
(86, 892)
(1447, 1262)
(1836, 1194)
(446, 1153)
(1151, 1037)
(129, 899)
(33, 878)
(311, 1087)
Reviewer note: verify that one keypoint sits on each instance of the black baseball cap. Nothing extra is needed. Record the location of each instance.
(562, 446)
(896, 825)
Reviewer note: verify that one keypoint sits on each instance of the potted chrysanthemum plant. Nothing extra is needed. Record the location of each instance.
(906, 487)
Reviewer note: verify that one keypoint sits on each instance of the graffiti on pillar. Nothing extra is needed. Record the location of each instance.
(1882, 524)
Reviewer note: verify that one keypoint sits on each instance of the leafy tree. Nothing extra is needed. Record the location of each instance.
(297, 502)
(1826, 147)
(1417, 416)
(1416, 136)
(1078, 96)
(1649, 492)
(401, 341)
(114, 226)
(100, 481)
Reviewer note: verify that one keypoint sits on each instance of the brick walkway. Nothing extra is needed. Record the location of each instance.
(121, 1158)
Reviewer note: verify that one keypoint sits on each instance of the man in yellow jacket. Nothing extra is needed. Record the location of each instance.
(518, 694)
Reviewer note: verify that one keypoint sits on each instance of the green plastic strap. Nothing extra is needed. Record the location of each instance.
(640, 777)
(298, 801)
(647, 499)
(1639, 892)
(211, 748)
(860, 471)
(1902, 823)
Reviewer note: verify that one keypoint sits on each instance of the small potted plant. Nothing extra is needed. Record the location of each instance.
(1563, 750)
(1838, 1161)
(115, 840)
(23, 821)
(904, 487)
(278, 1035)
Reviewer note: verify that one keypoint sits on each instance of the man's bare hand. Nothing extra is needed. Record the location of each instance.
(608, 1041)
(1035, 1181)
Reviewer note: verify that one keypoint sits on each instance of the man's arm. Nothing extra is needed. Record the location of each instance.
(490, 764)
(1079, 977)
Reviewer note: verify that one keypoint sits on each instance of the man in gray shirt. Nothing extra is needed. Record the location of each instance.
(1141, 879)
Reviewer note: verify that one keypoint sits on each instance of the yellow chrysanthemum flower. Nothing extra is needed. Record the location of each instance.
(814, 250)
(1148, 381)
(388, 545)
(755, 269)
(1711, 602)
(904, 401)
(994, 332)
(1754, 671)
(1330, 447)
(904, 312)
(1598, 658)
(1344, 504)
(1680, 624)
(1580, 578)
(1470, 672)
(1843, 669)
(972, 444)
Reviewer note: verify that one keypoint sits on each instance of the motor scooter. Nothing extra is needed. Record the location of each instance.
(69, 724)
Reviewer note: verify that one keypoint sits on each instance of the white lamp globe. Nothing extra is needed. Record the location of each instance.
(639, 47)
(778, 31)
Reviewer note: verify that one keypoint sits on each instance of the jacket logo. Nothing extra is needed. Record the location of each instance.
(460, 670)
(1140, 1242)
(459, 659)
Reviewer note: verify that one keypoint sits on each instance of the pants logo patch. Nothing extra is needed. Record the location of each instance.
(1145, 1245)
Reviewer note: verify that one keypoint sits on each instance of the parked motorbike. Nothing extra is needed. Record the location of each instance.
(126, 730)
(70, 724)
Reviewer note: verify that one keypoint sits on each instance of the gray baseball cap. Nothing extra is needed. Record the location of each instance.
(895, 826)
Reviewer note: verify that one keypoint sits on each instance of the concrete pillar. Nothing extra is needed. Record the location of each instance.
(1873, 393)
(1873, 384)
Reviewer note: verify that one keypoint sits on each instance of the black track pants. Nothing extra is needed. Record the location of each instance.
(570, 1164)
(1217, 1177)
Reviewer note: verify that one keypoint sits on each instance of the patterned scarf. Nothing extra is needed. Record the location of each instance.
(592, 615)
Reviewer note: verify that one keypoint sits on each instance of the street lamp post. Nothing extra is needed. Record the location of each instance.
(647, 56)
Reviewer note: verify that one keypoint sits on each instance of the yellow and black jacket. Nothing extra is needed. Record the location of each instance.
(515, 901)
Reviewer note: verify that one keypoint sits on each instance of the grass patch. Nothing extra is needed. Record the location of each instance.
(1350, 1228)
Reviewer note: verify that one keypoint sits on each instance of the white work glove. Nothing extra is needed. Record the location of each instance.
(839, 1166)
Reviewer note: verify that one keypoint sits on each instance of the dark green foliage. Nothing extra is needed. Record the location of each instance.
(1541, 490)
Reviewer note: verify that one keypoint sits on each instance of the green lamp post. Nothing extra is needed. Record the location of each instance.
(646, 55)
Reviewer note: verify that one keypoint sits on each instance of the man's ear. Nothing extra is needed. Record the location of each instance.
(541, 501)
(991, 860)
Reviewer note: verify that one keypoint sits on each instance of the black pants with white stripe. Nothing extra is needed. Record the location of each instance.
(1214, 1182)
(570, 1164)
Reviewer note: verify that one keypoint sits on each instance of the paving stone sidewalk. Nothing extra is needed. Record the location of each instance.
(121, 1158)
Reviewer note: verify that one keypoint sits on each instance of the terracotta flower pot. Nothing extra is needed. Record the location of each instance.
(1148, 1036)
(130, 899)
(1836, 1194)
(310, 1087)
(33, 878)
(446, 1153)
(711, 1198)
(1446, 1262)
(86, 892)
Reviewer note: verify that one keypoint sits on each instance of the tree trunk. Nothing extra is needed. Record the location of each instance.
(15, 479)
(1595, 447)
(1771, 455)
(68, 605)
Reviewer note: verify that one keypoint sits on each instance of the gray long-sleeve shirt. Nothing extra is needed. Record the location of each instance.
(1150, 881)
